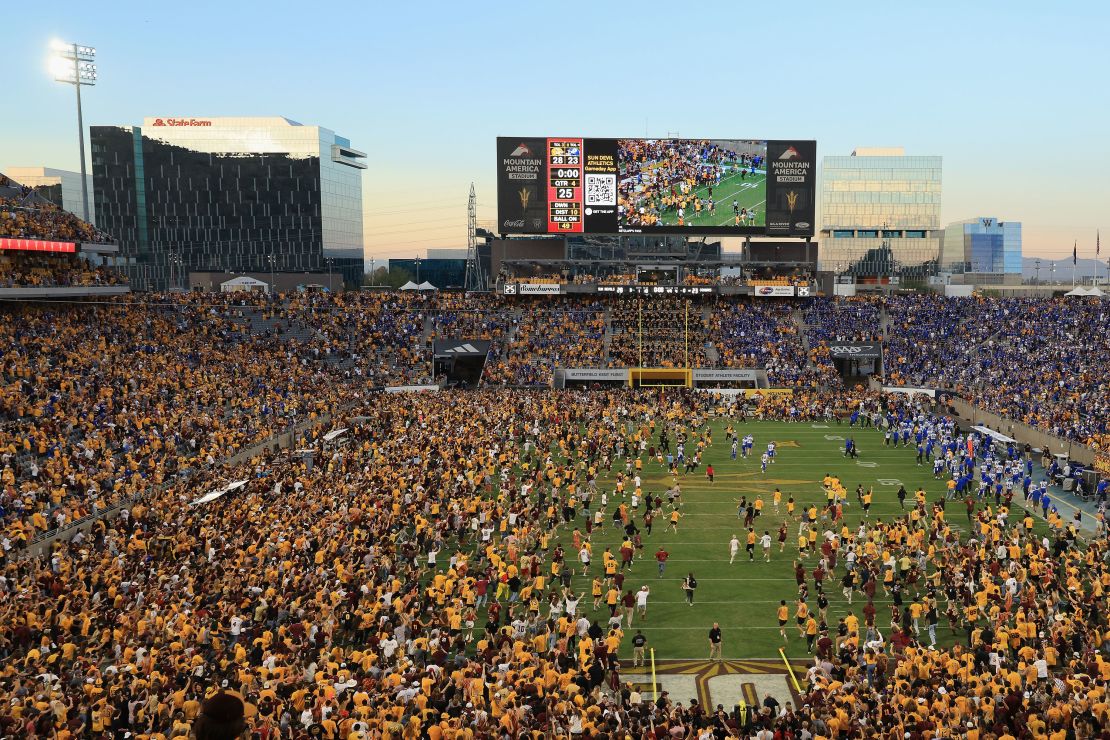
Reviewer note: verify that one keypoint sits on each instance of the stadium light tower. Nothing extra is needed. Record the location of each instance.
(73, 64)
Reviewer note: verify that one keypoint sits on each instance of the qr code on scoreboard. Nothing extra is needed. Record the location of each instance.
(601, 190)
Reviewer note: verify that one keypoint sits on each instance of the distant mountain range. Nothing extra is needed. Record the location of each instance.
(1083, 268)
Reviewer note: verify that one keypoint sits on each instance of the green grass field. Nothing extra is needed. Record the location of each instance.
(749, 192)
(743, 597)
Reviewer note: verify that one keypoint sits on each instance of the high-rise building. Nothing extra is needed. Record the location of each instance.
(881, 213)
(60, 187)
(985, 250)
(233, 194)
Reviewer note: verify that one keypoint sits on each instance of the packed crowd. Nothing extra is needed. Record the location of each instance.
(407, 585)
(569, 334)
(99, 402)
(1028, 609)
(344, 597)
(33, 269)
(1035, 360)
(852, 319)
(659, 332)
(27, 216)
(764, 334)
(658, 178)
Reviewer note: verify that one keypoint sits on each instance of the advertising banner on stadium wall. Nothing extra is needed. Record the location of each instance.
(773, 291)
(577, 185)
(711, 375)
(460, 348)
(855, 350)
(532, 289)
(588, 373)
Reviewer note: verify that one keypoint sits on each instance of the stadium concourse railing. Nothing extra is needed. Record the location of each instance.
(285, 439)
(64, 291)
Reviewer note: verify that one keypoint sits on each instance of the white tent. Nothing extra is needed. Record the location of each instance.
(245, 283)
(1090, 292)
(426, 286)
(410, 285)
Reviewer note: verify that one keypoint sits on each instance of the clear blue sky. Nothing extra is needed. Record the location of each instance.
(1012, 95)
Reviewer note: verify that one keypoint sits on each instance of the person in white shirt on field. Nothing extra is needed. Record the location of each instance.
(641, 604)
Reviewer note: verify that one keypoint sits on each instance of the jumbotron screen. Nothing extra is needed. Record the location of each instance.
(576, 185)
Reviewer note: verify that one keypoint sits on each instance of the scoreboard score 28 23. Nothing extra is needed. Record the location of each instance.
(564, 186)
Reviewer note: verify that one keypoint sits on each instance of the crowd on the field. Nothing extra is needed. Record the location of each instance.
(1028, 610)
(658, 177)
(403, 582)
(408, 584)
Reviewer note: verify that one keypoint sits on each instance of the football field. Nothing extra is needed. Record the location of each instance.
(743, 597)
(749, 192)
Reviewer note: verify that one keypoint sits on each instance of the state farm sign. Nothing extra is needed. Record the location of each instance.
(181, 122)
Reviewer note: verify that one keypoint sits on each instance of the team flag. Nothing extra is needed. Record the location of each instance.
(1075, 252)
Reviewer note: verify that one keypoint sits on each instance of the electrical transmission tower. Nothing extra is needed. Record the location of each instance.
(475, 278)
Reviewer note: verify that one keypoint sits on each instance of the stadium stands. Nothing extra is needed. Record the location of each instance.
(753, 334)
(25, 214)
(357, 595)
(659, 332)
(33, 269)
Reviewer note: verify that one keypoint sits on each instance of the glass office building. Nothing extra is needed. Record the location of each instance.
(984, 250)
(228, 194)
(881, 213)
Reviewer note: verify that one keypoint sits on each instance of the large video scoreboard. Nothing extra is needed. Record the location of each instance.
(575, 185)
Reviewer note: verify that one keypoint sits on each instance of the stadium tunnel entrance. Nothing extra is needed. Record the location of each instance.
(856, 361)
(460, 362)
